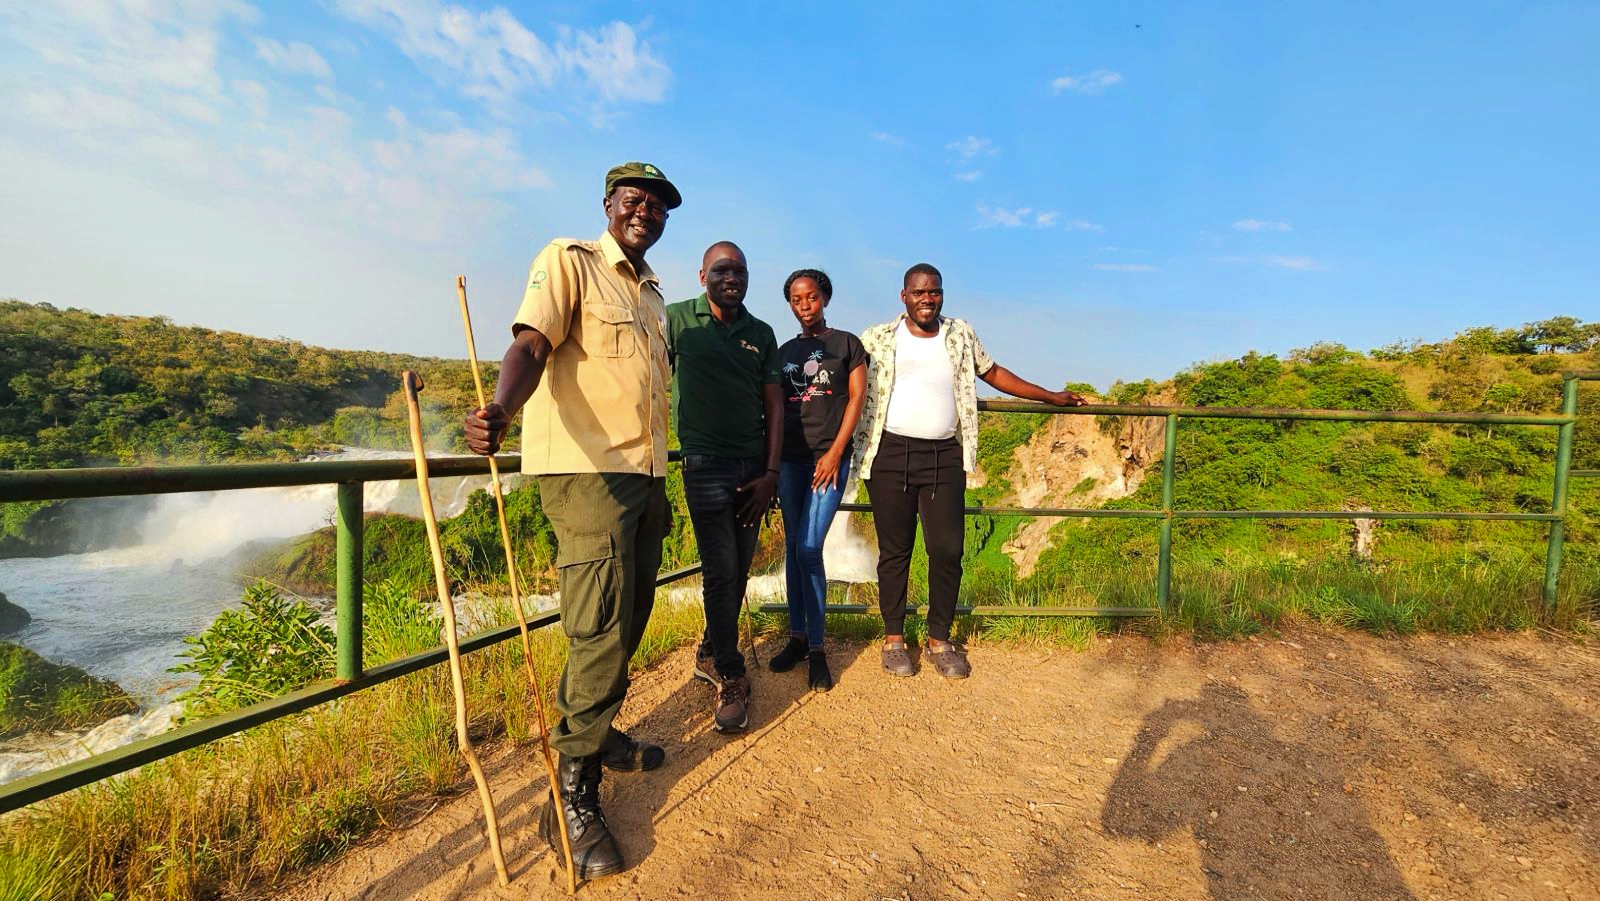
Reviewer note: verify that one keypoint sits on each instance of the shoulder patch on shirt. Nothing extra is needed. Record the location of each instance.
(538, 279)
(575, 244)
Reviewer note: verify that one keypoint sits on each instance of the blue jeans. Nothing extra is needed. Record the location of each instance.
(726, 548)
(806, 517)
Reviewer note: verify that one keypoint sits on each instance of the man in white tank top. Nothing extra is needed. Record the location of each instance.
(916, 441)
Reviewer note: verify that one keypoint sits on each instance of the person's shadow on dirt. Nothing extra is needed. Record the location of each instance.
(1271, 820)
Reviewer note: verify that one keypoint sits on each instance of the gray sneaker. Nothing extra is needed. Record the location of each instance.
(896, 661)
(948, 662)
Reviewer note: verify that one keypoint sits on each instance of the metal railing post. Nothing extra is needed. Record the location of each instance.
(348, 551)
(1558, 499)
(1164, 560)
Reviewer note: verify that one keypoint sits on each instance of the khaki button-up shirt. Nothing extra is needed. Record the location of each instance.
(602, 403)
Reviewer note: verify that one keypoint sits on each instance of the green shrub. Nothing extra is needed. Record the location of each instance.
(267, 648)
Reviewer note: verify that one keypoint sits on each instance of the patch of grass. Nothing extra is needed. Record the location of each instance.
(38, 695)
(218, 819)
(29, 873)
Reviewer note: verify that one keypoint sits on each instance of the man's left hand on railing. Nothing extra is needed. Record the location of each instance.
(1067, 399)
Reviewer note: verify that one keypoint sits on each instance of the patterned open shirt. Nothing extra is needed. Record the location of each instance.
(969, 360)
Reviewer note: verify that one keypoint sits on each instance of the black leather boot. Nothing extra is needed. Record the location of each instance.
(594, 851)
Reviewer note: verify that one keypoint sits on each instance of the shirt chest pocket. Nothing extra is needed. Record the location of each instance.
(608, 330)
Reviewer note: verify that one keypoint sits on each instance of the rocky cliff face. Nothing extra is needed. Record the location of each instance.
(1071, 462)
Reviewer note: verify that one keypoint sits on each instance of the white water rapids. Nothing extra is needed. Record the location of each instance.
(122, 614)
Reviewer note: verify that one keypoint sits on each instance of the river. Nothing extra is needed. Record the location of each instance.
(122, 614)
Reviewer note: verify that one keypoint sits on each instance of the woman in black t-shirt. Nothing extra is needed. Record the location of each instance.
(824, 385)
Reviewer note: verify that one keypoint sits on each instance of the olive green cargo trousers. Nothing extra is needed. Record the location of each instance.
(609, 526)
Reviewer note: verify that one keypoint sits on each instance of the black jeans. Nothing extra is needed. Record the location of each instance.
(726, 548)
(912, 478)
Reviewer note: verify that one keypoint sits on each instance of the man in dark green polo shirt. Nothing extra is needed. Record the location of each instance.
(729, 411)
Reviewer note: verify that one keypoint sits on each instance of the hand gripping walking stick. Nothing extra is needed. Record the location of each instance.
(413, 384)
(514, 579)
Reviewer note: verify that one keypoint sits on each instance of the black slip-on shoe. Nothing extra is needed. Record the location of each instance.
(820, 678)
(792, 653)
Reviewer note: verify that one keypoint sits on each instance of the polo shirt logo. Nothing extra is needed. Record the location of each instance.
(748, 346)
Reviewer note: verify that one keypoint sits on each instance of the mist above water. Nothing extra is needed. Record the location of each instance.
(122, 614)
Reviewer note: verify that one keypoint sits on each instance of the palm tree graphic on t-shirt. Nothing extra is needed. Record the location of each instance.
(807, 377)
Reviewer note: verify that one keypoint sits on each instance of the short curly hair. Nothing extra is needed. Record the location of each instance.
(922, 269)
(824, 284)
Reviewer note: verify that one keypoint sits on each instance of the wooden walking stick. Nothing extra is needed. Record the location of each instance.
(516, 599)
(413, 384)
(749, 631)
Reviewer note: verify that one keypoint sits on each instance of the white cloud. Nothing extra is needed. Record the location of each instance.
(992, 217)
(495, 58)
(1302, 264)
(332, 96)
(1081, 225)
(191, 107)
(177, 131)
(254, 94)
(1305, 264)
(1256, 225)
(972, 146)
(74, 107)
(294, 57)
(326, 120)
(969, 176)
(884, 137)
(154, 46)
(618, 64)
(1127, 267)
(1092, 83)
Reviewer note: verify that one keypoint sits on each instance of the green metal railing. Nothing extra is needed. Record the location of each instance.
(1169, 513)
(349, 477)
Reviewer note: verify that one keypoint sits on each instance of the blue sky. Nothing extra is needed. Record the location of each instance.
(1112, 190)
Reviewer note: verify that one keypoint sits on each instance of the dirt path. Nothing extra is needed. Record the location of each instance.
(1313, 765)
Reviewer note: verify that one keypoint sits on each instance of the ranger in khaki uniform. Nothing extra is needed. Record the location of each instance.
(588, 360)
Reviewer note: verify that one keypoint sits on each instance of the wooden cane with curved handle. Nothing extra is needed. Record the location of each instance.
(515, 580)
(413, 384)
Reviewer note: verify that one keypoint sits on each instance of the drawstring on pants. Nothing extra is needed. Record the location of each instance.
(905, 470)
(906, 446)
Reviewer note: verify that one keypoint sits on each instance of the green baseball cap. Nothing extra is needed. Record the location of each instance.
(644, 175)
